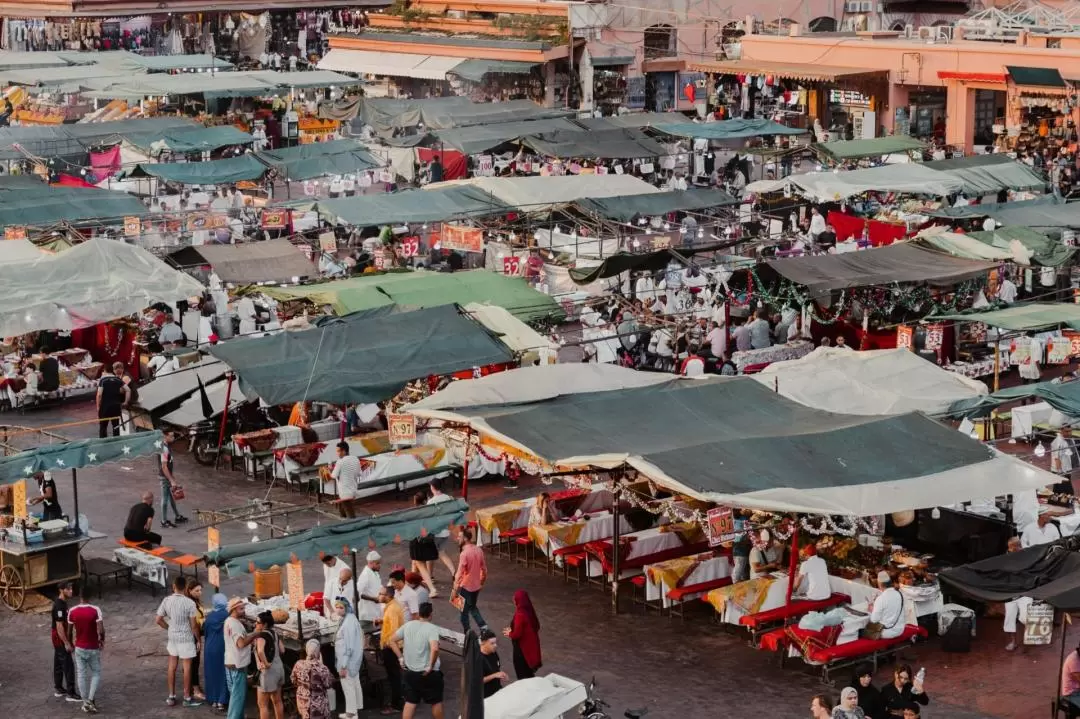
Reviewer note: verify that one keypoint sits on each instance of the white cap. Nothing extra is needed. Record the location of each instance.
(373, 556)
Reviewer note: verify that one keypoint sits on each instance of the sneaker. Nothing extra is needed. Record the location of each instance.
(72, 697)
(191, 702)
(171, 702)
(59, 693)
(93, 708)
(181, 520)
(168, 524)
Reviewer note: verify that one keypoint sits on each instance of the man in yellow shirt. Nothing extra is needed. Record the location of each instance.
(392, 620)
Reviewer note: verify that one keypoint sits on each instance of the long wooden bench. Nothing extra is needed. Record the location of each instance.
(819, 648)
(180, 560)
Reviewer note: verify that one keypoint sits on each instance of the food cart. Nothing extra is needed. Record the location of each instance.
(27, 565)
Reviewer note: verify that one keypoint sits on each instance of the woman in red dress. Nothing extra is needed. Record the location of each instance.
(524, 633)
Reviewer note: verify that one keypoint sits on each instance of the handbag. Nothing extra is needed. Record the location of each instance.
(177, 491)
(873, 630)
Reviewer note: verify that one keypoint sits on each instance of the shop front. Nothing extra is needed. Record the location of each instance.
(1041, 111)
(610, 86)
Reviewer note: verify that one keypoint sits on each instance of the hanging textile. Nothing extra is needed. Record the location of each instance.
(105, 163)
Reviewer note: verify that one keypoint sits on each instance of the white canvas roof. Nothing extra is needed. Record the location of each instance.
(513, 333)
(533, 192)
(19, 251)
(912, 179)
(869, 383)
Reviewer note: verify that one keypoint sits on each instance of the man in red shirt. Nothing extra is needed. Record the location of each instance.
(470, 578)
(89, 628)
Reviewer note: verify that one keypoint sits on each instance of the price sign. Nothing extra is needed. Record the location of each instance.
(410, 247)
(18, 498)
(721, 525)
(328, 242)
(213, 541)
(1074, 342)
(905, 337)
(14, 233)
(294, 575)
(132, 226)
(402, 428)
(512, 266)
(935, 335)
(1039, 628)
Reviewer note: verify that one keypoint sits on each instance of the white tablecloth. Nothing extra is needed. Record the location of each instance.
(646, 542)
(706, 571)
(919, 601)
(283, 468)
(1024, 418)
(144, 565)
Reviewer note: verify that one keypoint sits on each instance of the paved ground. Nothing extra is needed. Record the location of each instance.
(691, 669)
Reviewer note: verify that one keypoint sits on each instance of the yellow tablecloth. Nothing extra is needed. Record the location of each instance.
(561, 534)
(748, 595)
(672, 571)
(502, 516)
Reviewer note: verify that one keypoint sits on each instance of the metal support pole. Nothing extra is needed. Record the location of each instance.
(75, 496)
(465, 465)
(355, 589)
(793, 564)
(616, 564)
(224, 420)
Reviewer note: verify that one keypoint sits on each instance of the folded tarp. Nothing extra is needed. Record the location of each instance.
(361, 360)
(909, 179)
(1044, 251)
(214, 172)
(900, 262)
(358, 534)
(196, 139)
(475, 70)
(1048, 573)
(250, 262)
(632, 262)
(629, 207)
(621, 144)
(426, 289)
(984, 209)
(48, 205)
(1024, 317)
(873, 147)
(736, 442)
(449, 203)
(728, 129)
(481, 138)
(985, 174)
(1062, 396)
(303, 162)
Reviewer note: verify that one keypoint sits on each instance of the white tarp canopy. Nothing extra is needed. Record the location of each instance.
(530, 193)
(95, 281)
(536, 384)
(191, 410)
(911, 179)
(367, 62)
(513, 333)
(549, 697)
(576, 245)
(869, 383)
(19, 251)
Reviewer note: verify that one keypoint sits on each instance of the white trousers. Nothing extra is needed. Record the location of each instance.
(354, 694)
(1015, 610)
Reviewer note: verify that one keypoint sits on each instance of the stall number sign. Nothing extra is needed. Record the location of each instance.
(132, 226)
(213, 541)
(511, 266)
(1040, 624)
(905, 337)
(410, 246)
(402, 428)
(721, 523)
(294, 575)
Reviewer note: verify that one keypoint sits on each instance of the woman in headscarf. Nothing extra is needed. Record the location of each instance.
(312, 680)
(848, 708)
(217, 689)
(349, 647)
(524, 633)
(869, 696)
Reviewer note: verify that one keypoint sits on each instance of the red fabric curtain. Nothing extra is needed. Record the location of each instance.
(71, 181)
(453, 162)
(109, 344)
(105, 163)
(848, 226)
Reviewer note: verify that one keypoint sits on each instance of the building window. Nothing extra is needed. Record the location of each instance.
(661, 41)
(1053, 43)
(898, 27)
(823, 24)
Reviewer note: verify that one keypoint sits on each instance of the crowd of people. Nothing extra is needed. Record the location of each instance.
(902, 697)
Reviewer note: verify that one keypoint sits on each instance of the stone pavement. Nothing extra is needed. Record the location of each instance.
(691, 669)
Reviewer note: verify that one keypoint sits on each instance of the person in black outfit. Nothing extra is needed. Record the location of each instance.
(47, 497)
(137, 527)
(494, 676)
(869, 696)
(50, 372)
(112, 396)
(60, 630)
(900, 693)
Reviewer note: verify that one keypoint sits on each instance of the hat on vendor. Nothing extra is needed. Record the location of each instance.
(236, 602)
(373, 556)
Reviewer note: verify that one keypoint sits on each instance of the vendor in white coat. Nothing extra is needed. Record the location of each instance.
(888, 608)
(332, 566)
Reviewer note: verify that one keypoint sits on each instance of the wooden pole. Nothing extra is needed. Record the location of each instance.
(355, 589)
(465, 466)
(997, 366)
(75, 496)
(224, 420)
(793, 564)
(616, 565)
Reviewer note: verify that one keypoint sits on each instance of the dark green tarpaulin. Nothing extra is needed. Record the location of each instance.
(447, 203)
(640, 119)
(1035, 76)
(612, 60)
(1028, 316)
(1062, 396)
(628, 262)
(198, 139)
(442, 113)
(357, 534)
(68, 140)
(481, 138)
(360, 360)
(1046, 252)
(623, 144)
(317, 159)
(1042, 216)
(986, 174)
(77, 454)
(625, 208)
(475, 70)
(37, 207)
(215, 172)
(729, 129)
(873, 147)
(983, 209)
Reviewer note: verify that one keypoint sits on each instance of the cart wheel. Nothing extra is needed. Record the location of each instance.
(12, 591)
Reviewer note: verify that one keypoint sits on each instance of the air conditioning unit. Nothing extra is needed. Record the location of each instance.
(866, 6)
(909, 30)
(852, 6)
(926, 33)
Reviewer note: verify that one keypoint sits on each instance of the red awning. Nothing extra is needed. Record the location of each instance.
(994, 77)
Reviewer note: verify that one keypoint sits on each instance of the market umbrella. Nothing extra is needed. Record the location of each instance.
(472, 679)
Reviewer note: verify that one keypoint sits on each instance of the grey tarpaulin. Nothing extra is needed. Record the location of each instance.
(984, 174)
(266, 261)
(442, 113)
(475, 70)
(624, 144)
(625, 208)
(173, 386)
(899, 262)
(337, 157)
(360, 360)
(728, 129)
(411, 206)
(983, 209)
(481, 138)
(1042, 216)
(214, 172)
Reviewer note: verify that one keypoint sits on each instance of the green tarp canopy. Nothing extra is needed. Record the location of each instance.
(728, 129)
(622, 144)
(629, 262)
(986, 174)
(612, 60)
(210, 85)
(1029, 316)
(627, 207)
(1045, 252)
(1036, 76)
(1044, 216)
(357, 534)
(475, 70)
(481, 138)
(447, 203)
(77, 454)
(386, 114)
(427, 289)
(197, 139)
(215, 172)
(73, 140)
(983, 209)
(48, 205)
(873, 147)
(361, 359)
(317, 159)
(1062, 396)
(640, 119)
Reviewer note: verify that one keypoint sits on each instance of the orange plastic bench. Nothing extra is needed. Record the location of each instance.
(183, 560)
